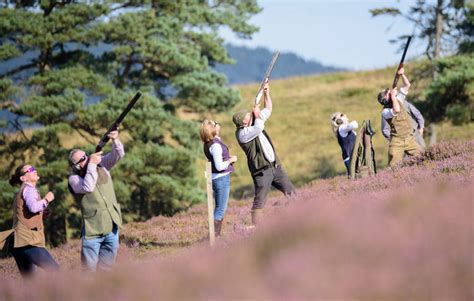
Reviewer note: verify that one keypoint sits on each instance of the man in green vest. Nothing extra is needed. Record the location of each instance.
(395, 113)
(92, 185)
(262, 159)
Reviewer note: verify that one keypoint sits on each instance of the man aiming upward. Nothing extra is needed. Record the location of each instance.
(396, 114)
(262, 159)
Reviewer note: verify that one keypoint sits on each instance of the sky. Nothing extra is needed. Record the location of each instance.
(334, 32)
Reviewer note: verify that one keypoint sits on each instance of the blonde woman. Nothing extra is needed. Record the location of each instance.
(221, 160)
(346, 136)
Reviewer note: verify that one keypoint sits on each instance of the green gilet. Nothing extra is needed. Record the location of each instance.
(256, 160)
(400, 125)
(99, 208)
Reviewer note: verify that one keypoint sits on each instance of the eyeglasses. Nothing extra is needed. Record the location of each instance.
(31, 169)
(83, 158)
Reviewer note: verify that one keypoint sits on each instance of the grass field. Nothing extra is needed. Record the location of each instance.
(300, 127)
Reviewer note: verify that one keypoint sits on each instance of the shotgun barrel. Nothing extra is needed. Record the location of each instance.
(276, 54)
(395, 80)
(105, 138)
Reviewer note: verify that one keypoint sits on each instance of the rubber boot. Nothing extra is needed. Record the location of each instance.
(218, 227)
(257, 215)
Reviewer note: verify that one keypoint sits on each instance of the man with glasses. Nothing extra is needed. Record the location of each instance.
(91, 183)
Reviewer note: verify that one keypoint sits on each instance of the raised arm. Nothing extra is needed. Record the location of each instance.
(266, 96)
(117, 153)
(395, 102)
(406, 82)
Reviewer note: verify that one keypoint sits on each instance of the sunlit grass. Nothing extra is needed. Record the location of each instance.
(300, 128)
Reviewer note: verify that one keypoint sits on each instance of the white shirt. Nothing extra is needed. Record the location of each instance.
(345, 129)
(388, 113)
(249, 133)
(216, 152)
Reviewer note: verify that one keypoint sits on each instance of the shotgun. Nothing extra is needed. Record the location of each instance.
(276, 54)
(103, 141)
(395, 80)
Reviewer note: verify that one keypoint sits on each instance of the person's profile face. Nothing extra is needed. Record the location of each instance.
(247, 119)
(81, 158)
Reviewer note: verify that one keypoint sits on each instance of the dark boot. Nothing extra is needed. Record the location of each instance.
(218, 227)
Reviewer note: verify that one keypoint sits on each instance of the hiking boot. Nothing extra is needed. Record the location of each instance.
(218, 227)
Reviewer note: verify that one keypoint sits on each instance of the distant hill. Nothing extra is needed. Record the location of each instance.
(251, 65)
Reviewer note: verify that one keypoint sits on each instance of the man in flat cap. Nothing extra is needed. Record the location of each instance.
(262, 159)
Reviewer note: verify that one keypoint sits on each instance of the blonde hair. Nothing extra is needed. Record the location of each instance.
(208, 130)
(336, 121)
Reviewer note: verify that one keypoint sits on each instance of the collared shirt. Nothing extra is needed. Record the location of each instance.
(249, 133)
(87, 184)
(388, 113)
(345, 129)
(411, 109)
(33, 200)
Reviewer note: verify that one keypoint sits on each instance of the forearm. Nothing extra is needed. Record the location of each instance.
(216, 152)
(406, 82)
(268, 101)
(33, 201)
(86, 184)
(395, 102)
(117, 153)
(249, 133)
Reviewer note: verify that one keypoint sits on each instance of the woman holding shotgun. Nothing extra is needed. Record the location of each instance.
(27, 243)
(221, 161)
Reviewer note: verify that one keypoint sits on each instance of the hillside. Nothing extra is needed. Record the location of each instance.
(300, 128)
(375, 238)
(251, 64)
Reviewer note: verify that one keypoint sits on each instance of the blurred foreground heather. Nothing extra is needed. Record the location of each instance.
(406, 234)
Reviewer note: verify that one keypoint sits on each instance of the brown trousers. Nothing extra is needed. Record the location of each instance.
(400, 146)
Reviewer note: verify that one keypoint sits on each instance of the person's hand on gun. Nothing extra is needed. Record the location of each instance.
(266, 88)
(96, 158)
(113, 135)
(401, 71)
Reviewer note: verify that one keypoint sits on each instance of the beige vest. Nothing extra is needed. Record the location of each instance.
(28, 228)
(400, 125)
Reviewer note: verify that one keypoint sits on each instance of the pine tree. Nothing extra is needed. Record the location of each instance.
(81, 61)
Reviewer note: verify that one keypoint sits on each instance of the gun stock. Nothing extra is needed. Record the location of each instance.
(276, 54)
(105, 138)
(395, 80)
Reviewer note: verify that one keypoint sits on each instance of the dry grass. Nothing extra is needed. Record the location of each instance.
(300, 129)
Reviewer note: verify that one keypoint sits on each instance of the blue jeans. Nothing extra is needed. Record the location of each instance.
(30, 256)
(100, 251)
(221, 188)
